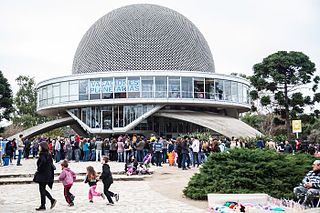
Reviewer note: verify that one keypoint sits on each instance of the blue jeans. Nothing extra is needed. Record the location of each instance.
(164, 155)
(184, 160)
(19, 156)
(58, 156)
(120, 156)
(77, 153)
(140, 155)
(158, 158)
(86, 155)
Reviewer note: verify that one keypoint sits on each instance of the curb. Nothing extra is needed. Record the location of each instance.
(30, 181)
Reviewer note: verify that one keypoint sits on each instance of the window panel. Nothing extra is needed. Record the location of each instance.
(147, 87)
(161, 87)
(187, 90)
(174, 87)
(210, 91)
(199, 88)
(107, 88)
(234, 91)
(227, 90)
(134, 86)
(120, 88)
(219, 90)
(95, 88)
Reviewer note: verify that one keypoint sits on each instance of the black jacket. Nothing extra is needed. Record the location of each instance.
(106, 174)
(45, 169)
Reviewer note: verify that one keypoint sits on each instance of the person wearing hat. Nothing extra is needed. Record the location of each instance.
(310, 186)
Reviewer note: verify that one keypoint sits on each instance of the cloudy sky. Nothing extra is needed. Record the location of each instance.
(38, 38)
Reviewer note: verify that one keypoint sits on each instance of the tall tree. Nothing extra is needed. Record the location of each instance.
(280, 76)
(26, 103)
(6, 107)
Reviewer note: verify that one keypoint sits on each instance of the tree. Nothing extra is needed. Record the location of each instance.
(26, 103)
(6, 107)
(314, 136)
(244, 171)
(252, 120)
(279, 77)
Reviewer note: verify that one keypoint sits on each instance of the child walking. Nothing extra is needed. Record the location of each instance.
(67, 177)
(107, 180)
(91, 179)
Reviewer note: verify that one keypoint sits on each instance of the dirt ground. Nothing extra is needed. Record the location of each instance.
(170, 181)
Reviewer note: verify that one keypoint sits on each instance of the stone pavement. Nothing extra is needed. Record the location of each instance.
(135, 196)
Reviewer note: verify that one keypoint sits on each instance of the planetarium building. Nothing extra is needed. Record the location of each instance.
(145, 69)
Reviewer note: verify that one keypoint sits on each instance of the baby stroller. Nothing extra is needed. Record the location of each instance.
(142, 169)
(147, 160)
(131, 166)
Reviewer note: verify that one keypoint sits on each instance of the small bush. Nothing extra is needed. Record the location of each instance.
(249, 171)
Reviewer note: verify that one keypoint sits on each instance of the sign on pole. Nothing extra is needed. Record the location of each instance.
(296, 126)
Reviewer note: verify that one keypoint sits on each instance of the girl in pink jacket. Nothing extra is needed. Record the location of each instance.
(67, 177)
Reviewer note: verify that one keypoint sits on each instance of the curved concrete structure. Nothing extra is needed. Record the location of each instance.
(224, 125)
(45, 127)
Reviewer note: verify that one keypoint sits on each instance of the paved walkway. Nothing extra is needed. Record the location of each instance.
(135, 196)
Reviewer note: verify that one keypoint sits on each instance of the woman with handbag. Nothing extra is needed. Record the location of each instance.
(44, 175)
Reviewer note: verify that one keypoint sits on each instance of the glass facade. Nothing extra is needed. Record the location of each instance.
(143, 87)
(109, 117)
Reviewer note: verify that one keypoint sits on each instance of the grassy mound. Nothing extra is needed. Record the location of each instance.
(249, 171)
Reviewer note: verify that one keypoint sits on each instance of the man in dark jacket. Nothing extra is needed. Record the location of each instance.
(185, 153)
(107, 180)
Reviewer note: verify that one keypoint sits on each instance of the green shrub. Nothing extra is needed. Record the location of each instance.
(249, 171)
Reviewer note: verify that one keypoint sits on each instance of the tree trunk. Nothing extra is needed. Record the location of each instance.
(286, 105)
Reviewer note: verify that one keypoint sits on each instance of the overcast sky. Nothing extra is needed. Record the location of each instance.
(38, 38)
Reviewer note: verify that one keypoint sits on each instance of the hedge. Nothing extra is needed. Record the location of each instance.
(249, 171)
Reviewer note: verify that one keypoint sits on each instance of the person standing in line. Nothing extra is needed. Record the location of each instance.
(76, 147)
(127, 150)
(86, 150)
(157, 147)
(164, 149)
(27, 147)
(67, 177)
(99, 149)
(20, 147)
(9, 149)
(120, 149)
(140, 146)
(107, 180)
(185, 153)
(57, 148)
(287, 147)
(68, 149)
(195, 148)
(45, 175)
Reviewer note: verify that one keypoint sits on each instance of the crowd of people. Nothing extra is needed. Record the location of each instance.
(182, 151)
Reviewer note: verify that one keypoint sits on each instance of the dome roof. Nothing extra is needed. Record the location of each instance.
(142, 37)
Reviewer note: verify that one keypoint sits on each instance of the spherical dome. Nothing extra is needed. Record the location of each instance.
(142, 37)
